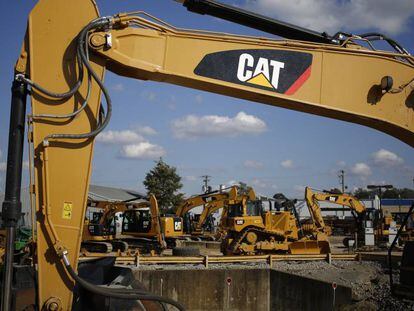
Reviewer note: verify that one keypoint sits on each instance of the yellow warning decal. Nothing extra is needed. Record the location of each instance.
(67, 210)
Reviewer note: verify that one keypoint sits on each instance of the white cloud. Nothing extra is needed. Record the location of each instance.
(119, 87)
(299, 189)
(341, 164)
(287, 164)
(361, 169)
(199, 99)
(232, 183)
(119, 137)
(149, 95)
(261, 184)
(332, 16)
(192, 126)
(142, 150)
(386, 158)
(191, 178)
(253, 164)
(146, 130)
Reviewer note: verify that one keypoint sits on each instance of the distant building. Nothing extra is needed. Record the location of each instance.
(396, 206)
(103, 193)
(96, 193)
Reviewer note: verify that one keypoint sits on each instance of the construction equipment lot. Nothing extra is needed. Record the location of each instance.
(65, 247)
(361, 285)
(361, 279)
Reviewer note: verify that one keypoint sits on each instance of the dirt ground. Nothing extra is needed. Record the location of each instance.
(369, 282)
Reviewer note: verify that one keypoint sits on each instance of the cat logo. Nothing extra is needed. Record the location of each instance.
(333, 199)
(263, 72)
(177, 226)
(279, 71)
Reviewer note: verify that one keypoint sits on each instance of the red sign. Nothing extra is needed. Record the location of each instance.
(334, 286)
(228, 280)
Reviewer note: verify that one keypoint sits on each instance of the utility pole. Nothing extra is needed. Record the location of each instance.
(206, 179)
(341, 177)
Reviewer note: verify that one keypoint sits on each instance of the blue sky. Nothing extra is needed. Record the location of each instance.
(273, 149)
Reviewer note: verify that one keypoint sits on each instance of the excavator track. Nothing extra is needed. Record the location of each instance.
(144, 245)
(120, 245)
(97, 247)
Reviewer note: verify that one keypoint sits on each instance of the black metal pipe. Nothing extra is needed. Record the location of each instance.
(256, 21)
(12, 206)
(403, 224)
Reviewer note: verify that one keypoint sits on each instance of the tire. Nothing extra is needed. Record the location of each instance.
(186, 251)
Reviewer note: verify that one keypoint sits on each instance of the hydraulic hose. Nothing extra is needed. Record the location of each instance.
(130, 294)
(82, 40)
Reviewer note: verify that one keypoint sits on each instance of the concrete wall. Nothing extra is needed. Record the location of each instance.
(292, 292)
(249, 289)
(209, 290)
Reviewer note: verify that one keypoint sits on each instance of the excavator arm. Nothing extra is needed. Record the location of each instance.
(233, 197)
(64, 55)
(313, 198)
(204, 199)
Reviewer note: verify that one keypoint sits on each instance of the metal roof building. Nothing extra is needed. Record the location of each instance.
(96, 193)
(103, 193)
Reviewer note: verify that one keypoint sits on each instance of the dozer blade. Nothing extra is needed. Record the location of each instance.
(309, 247)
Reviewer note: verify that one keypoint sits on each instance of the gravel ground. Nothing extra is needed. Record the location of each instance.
(202, 267)
(368, 280)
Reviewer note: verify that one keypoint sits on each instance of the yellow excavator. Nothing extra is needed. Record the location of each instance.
(313, 198)
(211, 202)
(66, 50)
(380, 223)
(142, 227)
(99, 232)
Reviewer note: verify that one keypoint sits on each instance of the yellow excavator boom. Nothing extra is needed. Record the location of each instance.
(64, 56)
(314, 197)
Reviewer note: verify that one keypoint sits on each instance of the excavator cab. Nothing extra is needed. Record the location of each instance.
(136, 221)
(96, 228)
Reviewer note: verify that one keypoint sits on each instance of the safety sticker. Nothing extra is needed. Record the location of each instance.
(67, 210)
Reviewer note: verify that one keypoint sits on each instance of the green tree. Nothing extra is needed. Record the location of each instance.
(363, 194)
(407, 193)
(392, 193)
(164, 182)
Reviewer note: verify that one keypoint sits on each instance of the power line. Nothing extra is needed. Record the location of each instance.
(341, 177)
(206, 180)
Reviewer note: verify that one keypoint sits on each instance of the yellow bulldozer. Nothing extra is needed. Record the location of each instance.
(251, 230)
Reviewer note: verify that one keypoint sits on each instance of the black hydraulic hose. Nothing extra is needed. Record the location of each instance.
(64, 95)
(12, 206)
(255, 21)
(392, 42)
(98, 23)
(393, 245)
(130, 294)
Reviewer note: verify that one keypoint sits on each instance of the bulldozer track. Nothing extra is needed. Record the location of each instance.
(242, 234)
